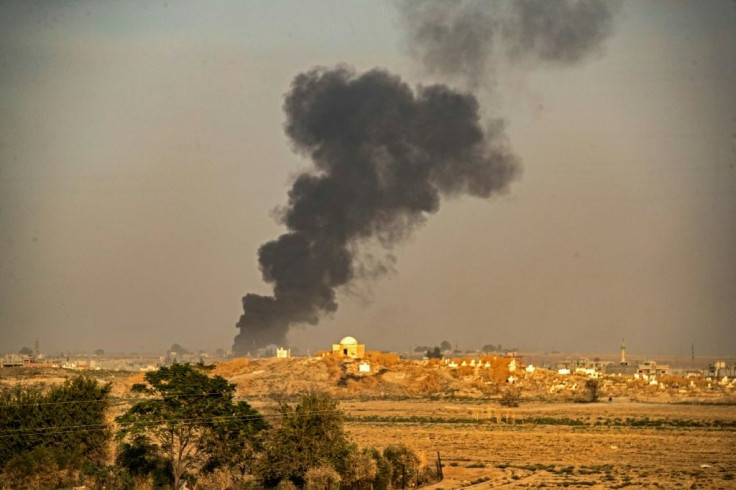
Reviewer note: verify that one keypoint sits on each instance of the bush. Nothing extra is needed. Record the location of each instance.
(592, 390)
(322, 478)
(360, 470)
(66, 424)
(311, 435)
(41, 467)
(510, 397)
(141, 459)
(404, 465)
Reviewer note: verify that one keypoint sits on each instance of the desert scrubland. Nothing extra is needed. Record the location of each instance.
(678, 433)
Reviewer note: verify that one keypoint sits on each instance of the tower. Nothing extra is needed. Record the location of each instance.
(623, 352)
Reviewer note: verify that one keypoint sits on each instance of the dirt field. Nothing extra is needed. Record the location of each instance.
(597, 445)
(647, 437)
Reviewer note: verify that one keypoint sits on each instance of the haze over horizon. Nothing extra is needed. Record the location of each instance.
(143, 153)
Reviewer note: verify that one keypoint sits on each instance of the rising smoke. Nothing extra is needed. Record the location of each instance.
(384, 155)
(464, 40)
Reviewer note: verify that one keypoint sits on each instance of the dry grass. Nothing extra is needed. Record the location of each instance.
(228, 369)
(545, 443)
(517, 453)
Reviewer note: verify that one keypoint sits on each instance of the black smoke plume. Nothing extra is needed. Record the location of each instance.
(383, 156)
(466, 39)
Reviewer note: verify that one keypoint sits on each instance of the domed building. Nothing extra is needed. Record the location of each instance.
(349, 347)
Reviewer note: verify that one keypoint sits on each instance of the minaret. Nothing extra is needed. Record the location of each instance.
(623, 352)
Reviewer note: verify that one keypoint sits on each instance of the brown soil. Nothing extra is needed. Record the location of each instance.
(519, 453)
(680, 433)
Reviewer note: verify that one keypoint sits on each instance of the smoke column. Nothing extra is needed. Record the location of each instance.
(466, 39)
(384, 154)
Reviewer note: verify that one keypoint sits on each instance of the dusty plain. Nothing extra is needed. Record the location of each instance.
(540, 445)
(680, 433)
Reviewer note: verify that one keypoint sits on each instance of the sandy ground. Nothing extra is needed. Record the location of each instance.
(484, 453)
(647, 437)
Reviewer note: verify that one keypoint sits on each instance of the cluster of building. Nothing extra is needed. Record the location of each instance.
(82, 363)
(350, 348)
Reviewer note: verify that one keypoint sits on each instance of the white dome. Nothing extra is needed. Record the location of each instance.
(348, 341)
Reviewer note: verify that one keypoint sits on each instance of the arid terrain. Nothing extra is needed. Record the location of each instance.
(679, 433)
(598, 445)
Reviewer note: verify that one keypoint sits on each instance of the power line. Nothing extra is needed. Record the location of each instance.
(64, 429)
(100, 400)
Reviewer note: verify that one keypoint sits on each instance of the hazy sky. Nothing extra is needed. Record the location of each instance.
(142, 155)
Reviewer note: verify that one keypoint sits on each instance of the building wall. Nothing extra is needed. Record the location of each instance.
(355, 351)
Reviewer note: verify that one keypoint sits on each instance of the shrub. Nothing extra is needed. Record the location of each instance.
(66, 423)
(322, 478)
(311, 435)
(404, 465)
(510, 397)
(592, 390)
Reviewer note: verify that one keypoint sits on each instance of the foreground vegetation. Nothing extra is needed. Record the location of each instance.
(186, 427)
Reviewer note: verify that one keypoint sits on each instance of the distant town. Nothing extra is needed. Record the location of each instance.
(723, 369)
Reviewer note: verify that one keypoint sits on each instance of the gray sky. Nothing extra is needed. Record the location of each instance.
(142, 155)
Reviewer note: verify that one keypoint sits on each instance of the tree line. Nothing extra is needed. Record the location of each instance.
(186, 429)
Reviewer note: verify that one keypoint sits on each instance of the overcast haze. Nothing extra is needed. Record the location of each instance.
(142, 155)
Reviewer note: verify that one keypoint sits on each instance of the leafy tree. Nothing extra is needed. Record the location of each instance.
(311, 435)
(141, 459)
(99, 352)
(63, 426)
(178, 349)
(237, 439)
(322, 478)
(404, 465)
(25, 351)
(434, 353)
(445, 346)
(361, 469)
(488, 348)
(105, 476)
(40, 467)
(382, 480)
(188, 418)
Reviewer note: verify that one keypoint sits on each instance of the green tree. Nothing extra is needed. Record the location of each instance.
(178, 349)
(382, 480)
(322, 478)
(143, 461)
(66, 423)
(434, 353)
(187, 417)
(361, 469)
(237, 439)
(25, 351)
(311, 435)
(404, 465)
(445, 346)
